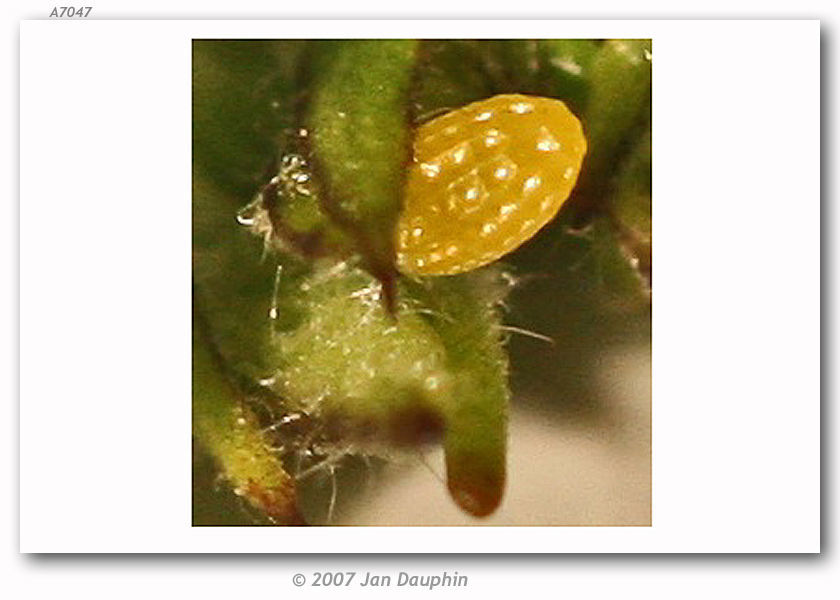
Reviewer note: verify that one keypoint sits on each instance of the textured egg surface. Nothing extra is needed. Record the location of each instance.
(485, 178)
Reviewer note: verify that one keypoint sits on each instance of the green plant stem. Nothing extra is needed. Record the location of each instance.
(361, 137)
(230, 432)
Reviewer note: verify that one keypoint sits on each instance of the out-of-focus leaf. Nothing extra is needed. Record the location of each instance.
(631, 202)
(233, 286)
(513, 65)
(450, 74)
(618, 108)
(619, 284)
(242, 100)
(566, 70)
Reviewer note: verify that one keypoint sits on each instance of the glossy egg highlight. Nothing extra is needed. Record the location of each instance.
(484, 179)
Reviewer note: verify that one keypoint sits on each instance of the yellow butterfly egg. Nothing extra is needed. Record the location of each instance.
(485, 179)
